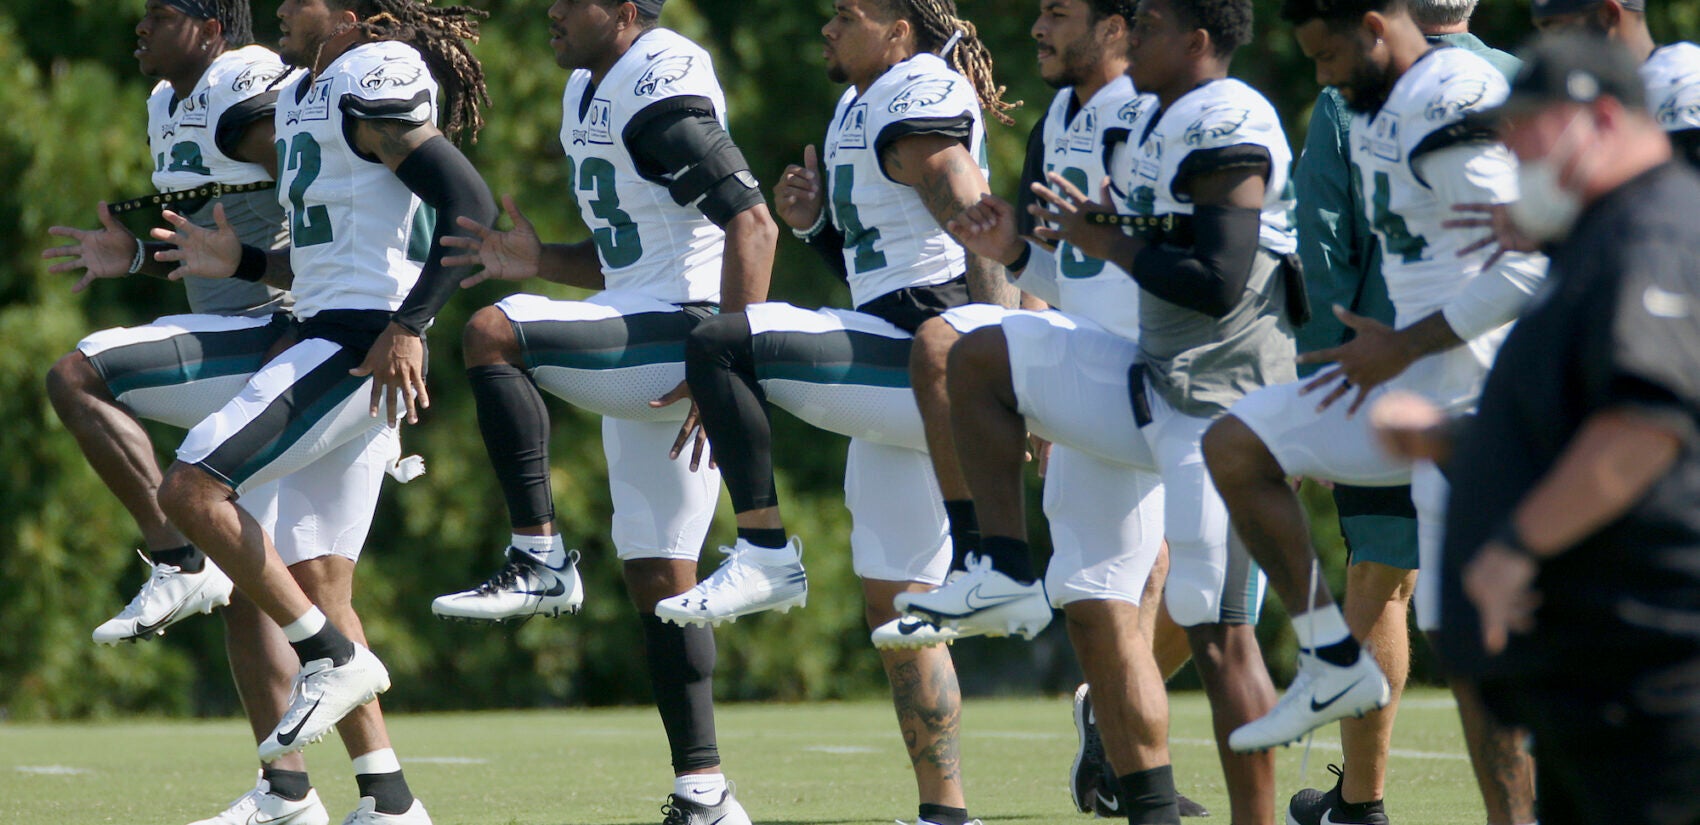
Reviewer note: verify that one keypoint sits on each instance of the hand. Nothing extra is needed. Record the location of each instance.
(1065, 220)
(1498, 581)
(800, 195)
(105, 252)
(987, 229)
(507, 256)
(1496, 219)
(396, 363)
(1375, 354)
(1039, 450)
(199, 253)
(1410, 427)
(689, 432)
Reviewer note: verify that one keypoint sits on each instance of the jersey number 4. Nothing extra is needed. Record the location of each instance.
(856, 236)
(1396, 237)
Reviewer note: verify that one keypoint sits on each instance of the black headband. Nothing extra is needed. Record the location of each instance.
(648, 8)
(198, 9)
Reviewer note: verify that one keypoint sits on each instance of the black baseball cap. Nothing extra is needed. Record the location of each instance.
(1553, 8)
(652, 8)
(1570, 68)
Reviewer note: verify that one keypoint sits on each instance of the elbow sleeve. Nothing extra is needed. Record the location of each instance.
(445, 180)
(1210, 277)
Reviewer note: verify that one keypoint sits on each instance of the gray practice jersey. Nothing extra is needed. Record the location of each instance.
(1199, 364)
(184, 138)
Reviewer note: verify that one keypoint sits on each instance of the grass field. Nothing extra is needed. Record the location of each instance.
(815, 764)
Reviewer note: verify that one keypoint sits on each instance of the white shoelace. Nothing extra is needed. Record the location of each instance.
(161, 572)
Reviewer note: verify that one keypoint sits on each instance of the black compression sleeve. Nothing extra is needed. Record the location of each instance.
(234, 123)
(679, 144)
(829, 244)
(443, 178)
(1210, 276)
(720, 364)
(1032, 171)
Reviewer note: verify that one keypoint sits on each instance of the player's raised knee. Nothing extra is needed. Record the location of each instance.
(182, 491)
(1231, 448)
(715, 338)
(488, 338)
(934, 340)
(981, 351)
(70, 377)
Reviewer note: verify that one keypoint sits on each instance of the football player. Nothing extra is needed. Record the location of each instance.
(904, 153)
(679, 228)
(1204, 186)
(1417, 155)
(368, 278)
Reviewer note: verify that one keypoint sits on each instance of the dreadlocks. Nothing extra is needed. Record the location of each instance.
(935, 23)
(443, 36)
(237, 21)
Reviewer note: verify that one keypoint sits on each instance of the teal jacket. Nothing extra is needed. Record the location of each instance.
(1341, 257)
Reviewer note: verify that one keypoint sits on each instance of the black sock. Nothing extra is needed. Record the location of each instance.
(944, 814)
(763, 537)
(1150, 796)
(1009, 557)
(720, 363)
(681, 674)
(187, 558)
(1342, 653)
(388, 790)
(291, 785)
(964, 532)
(1361, 810)
(515, 426)
(328, 643)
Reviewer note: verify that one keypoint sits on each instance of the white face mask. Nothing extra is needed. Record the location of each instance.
(1544, 210)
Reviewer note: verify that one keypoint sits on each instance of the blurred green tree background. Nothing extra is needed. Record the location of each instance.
(73, 133)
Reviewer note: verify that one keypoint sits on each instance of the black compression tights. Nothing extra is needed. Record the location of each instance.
(515, 425)
(720, 365)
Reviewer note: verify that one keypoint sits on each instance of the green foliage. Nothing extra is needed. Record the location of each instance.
(72, 135)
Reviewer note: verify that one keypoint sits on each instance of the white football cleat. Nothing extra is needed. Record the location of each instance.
(168, 597)
(910, 633)
(742, 586)
(261, 805)
(982, 602)
(680, 810)
(366, 813)
(523, 588)
(1320, 693)
(322, 694)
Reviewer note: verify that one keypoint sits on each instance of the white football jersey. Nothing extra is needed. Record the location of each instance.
(1079, 148)
(1424, 109)
(891, 241)
(1672, 75)
(358, 237)
(181, 132)
(1217, 115)
(647, 243)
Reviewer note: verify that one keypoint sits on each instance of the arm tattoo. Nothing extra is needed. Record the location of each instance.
(935, 190)
(988, 284)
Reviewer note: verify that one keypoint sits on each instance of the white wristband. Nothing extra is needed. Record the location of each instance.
(810, 233)
(141, 257)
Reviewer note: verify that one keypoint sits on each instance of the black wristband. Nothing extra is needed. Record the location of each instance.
(252, 267)
(1021, 260)
(1508, 537)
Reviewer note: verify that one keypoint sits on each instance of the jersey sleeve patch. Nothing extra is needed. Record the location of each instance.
(1218, 159)
(1457, 95)
(917, 96)
(1219, 125)
(416, 109)
(662, 74)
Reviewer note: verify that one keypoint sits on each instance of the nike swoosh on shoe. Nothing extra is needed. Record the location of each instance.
(1315, 707)
(289, 738)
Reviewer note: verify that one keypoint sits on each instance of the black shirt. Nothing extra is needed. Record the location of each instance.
(1615, 326)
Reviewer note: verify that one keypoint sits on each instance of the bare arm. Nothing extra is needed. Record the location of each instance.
(747, 266)
(1613, 460)
(948, 180)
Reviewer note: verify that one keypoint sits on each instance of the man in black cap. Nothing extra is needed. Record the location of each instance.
(1571, 576)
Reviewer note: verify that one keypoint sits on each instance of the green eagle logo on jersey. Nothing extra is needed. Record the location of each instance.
(1215, 124)
(920, 95)
(392, 72)
(1456, 97)
(662, 74)
(1682, 109)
